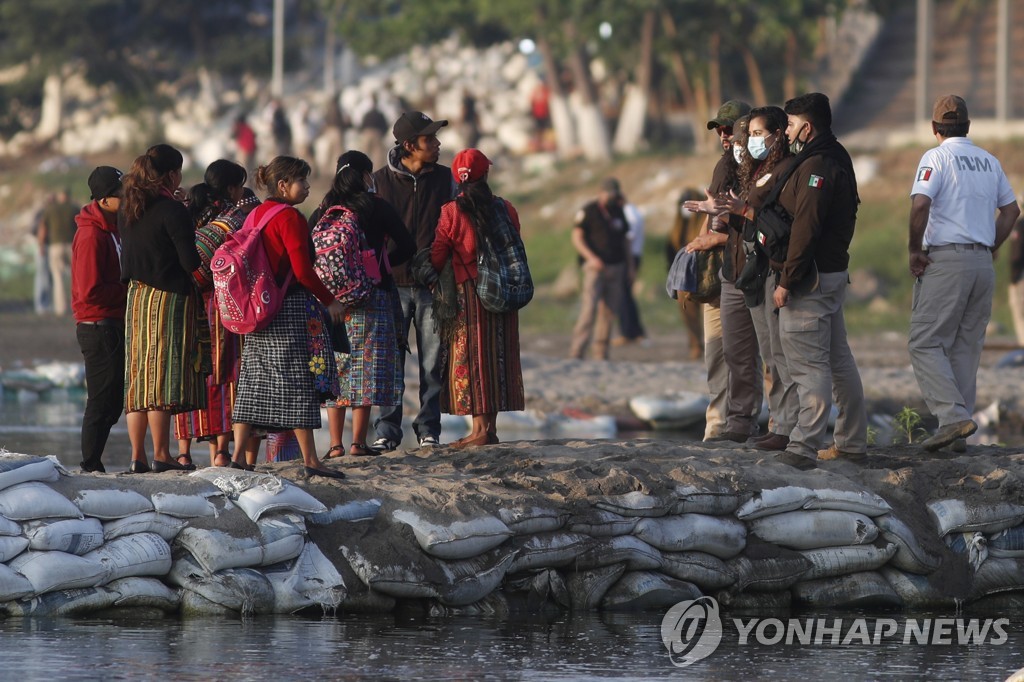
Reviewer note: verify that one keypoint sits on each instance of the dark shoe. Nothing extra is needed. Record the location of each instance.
(326, 473)
(93, 468)
(360, 450)
(189, 466)
(774, 441)
(429, 441)
(758, 439)
(384, 445)
(492, 439)
(949, 433)
(223, 456)
(243, 467)
(796, 461)
(339, 448)
(139, 466)
(734, 436)
(160, 467)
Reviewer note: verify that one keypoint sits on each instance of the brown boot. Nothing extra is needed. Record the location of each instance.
(774, 441)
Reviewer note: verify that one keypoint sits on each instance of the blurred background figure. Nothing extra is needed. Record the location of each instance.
(373, 126)
(631, 330)
(1017, 279)
(57, 230)
(245, 142)
(470, 124)
(540, 111)
(42, 284)
(684, 230)
(280, 128)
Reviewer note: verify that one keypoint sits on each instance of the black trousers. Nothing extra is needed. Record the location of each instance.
(103, 351)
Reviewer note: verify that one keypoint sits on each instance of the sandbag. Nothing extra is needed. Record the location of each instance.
(132, 556)
(1007, 543)
(242, 590)
(588, 588)
(11, 546)
(183, 506)
(283, 536)
(528, 520)
(859, 501)
(163, 525)
(308, 580)
(136, 592)
(13, 585)
(64, 603)
(49, 571)
(721, 536)
(194, 604)
(629, 550)
(997, 575)
(647, 590)
(814, 529)
(394, 566)
(8, 527)
(458, 539)
(603, 524)
(694, 500)
(829, 562)
(34, 500)
(471, 580)
(215, 550)
(772, 604)
(258, 494)
(15, 469)
(541, 588)
(494, 605)
(111, 504)
(958, 516)
(867, 589)
(774, 501)
(910, 556)
(767, 568)
(549, 550)
(706, 571)
(635, 503)
(917, 592)
(75, 536)
(973, 545)
(357, 510)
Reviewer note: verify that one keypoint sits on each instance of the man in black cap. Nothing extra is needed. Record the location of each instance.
(417, 186)
(599, 236)
(98, 300)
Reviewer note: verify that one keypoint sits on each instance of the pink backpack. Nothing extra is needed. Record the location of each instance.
(247, 294)
(344, 262)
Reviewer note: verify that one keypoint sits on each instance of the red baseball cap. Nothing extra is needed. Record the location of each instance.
(470, 165)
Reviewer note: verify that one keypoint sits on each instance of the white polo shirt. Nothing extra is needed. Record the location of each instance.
(966, 185)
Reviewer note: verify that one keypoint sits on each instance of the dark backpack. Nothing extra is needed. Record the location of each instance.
(503, 283)
(343, 261)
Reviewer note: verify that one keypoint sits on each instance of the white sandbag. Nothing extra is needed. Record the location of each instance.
(49, 571)
(527, 520)
(815, 529)
(916, 591)
(721, 536)
(646, 590)
(1007, 543)
(834, 561)
(471, 580)
(767, 568)
(588, 588)
(309, 580)
(629, 550)
(868, 589)
(183, 506)
(15, 469)
(636, 503)
(111, 504)
(13, 585)
(860, 501)
(215, 550)
(163, 525)
(603, 524)
(706, 571)
(71, 602)
(283, 536)
(549, 550)
(34, 500)
(357, 510)
(132, 556)
(410, 577)
(910, 555)
(195, 605)
(997, 575)
(8, 527)
(243, 590)
(774, 501)
(458, 539)
(258, 494)
(76, 536)
(694, 500)
(678, 410)
(973, 545)
(11, 546)
(139, 592)
(958, 516)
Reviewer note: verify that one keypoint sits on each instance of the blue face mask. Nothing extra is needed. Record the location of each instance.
(758, 148)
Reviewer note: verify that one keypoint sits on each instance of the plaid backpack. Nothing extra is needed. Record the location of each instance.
(344, 262)
(503, 280)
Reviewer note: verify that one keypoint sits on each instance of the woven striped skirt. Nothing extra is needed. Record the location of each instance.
(483, 374)
(287, 368)
(375, 374)
(166, 343)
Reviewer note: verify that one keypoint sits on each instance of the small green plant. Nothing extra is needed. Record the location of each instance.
(872, 435)
(907, 423)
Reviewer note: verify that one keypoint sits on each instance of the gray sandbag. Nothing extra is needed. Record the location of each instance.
(953, 516)
(141, 554)
(470, 580)
(598, 523)
(829, 562)
(16, 469)
(997, 575)
(138, 592)
(549, 550)
(774, 501)
(1007, 543)
(183, 506)
(629, 550)
(910, 555)
(283, 536)
(528, 519)
(194, 604)
(588, 588)
(867, 589)
(8, 527)
(706, 571)
(215, 550)
(494, 605)
(721, 536)
(456, 539)
(1000, 604)
(636, 504)
(62, 603)
(860, 501)
(308, 580)
(815, 529)
(109, 504)
(163, 525)
(13, 585)
(50, 571)
(755, 603)
(767, 568)
(259, 493)
(75, 536)
(11, 546)
(34, 500)
(356, 510)
(916, 591)
(241, 590)
(647, 590)
(694, 500)
(542, 589)
(394, 565)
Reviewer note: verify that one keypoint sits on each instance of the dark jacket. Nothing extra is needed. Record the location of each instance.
(418, 200)
(159, 249)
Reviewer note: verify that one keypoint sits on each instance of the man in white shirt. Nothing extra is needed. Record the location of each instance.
(962, 209)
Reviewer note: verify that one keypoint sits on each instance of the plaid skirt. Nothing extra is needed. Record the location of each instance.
(287, 368)
(483, 374)
(375, 374)
(166, 351)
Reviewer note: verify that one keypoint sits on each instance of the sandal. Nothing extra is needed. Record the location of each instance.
(187, 456)
(339, 448)
(227, 458)
(360, 450)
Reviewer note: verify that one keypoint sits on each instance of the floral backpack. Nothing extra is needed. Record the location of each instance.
(344, 262)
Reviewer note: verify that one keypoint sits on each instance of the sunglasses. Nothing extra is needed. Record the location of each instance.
(724, 130)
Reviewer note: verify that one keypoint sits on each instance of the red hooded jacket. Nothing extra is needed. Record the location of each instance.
(96, 289)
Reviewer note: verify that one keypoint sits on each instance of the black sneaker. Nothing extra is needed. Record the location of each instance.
(384, 445)
(429, 441)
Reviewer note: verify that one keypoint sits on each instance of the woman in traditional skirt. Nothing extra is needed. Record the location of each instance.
(288, 366)
(218, 206)
(164, 335)
(373, 373)
(483, 372)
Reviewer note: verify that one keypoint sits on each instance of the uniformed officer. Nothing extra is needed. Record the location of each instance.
(821, 196)
(962, 209)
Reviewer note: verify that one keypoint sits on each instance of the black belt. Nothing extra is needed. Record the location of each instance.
(104, 323)
(959, 247)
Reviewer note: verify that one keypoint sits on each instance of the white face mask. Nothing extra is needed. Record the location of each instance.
(758, 148)
(737, 153)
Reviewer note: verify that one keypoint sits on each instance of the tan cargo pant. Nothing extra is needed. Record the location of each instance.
(600, 300)
(783, 402)
(718, 372)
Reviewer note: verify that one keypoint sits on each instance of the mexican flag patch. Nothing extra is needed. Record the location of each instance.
(925, 174)
(816, 181)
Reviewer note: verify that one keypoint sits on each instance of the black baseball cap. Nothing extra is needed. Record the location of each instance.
(104, 181)
(412, 124)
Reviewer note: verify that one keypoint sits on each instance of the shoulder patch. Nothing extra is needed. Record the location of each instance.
(761, 181)
(816, 181)
(924, 174)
